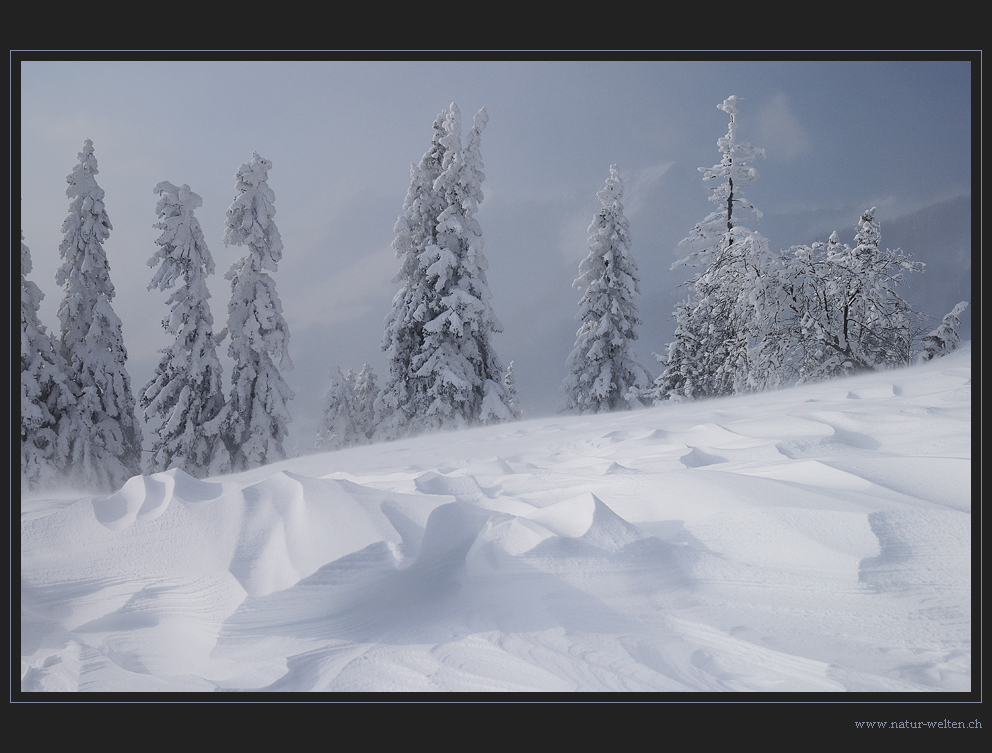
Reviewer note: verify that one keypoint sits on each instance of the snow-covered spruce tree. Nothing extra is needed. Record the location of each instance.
(186, 393)
(945, 338)
(846, 315)
(100, 437)
(415, 229)
(366, 390)
(603, 371)
(510, 382)
(349, 413)
(339, 424)
(457, 374)
(722, 340)
(45, 395)
(254, 420)
(454, 377)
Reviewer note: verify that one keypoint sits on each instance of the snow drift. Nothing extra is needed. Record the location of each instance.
(810, 539)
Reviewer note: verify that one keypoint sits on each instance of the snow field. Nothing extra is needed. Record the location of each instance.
(810, 539)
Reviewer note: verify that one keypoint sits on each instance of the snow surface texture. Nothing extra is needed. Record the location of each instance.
(810, 539)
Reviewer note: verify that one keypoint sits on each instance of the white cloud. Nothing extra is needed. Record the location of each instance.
(778, 130)
(574, 236)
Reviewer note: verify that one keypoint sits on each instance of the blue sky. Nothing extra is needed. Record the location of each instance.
(839, 137)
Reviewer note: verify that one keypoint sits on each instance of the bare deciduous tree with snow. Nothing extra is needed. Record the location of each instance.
(186, 394)
(254, 420)
(603, 371)
(101, 437)
(755, 320)
(842, 310)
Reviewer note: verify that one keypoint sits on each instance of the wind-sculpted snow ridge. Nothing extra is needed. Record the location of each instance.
(810, 539)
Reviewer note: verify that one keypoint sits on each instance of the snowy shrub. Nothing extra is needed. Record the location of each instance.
(945, 338)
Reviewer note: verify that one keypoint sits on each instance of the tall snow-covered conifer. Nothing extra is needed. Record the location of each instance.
(415, 229)
(45, 395)
(720, 344)
(254, 420)
(366, 392)
(603, 371)
(339, 423)
(457, 372)
(186, 393)
(101, 439)
(444, 372)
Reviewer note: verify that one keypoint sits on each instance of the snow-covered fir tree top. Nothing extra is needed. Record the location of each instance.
(86, 227)
(250, 216)
(737, 156)
(182, 247)
(85, 310)
(729, 176)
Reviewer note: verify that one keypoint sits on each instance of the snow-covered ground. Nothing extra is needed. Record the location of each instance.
(810, 539)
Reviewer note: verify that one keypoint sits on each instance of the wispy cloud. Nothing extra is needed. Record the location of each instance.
(779, 131)
(639, 183)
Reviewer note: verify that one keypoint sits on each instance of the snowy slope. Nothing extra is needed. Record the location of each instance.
(811, 539)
